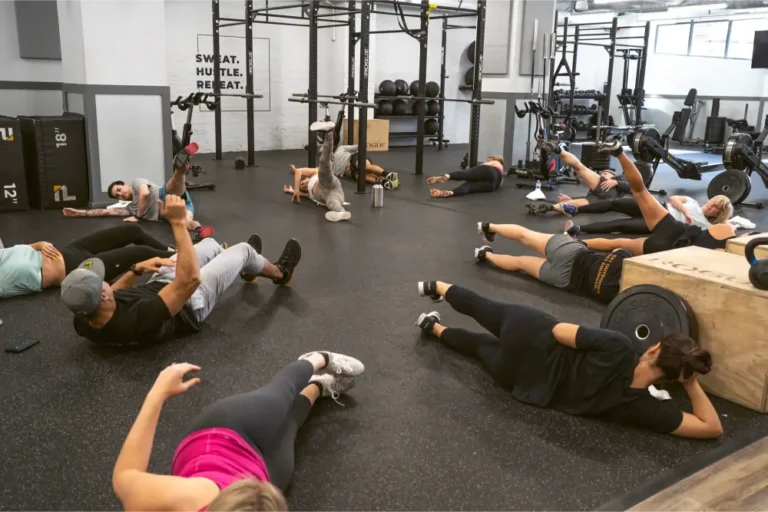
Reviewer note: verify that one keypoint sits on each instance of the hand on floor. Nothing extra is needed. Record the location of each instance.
(561, 198)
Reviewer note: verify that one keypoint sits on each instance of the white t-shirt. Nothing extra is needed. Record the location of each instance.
(693, 209)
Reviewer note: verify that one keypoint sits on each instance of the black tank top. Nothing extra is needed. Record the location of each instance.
(704, 239)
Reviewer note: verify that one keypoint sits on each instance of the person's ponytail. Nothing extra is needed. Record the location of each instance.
(680, 356)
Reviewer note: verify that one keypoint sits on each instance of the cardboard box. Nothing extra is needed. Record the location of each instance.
(378, 134)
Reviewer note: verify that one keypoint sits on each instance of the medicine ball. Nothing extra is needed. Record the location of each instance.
(469, 76)
(401, 87)
(471, 52)
(385, 108)
(418, 107)
(433, 89)
(431, 126)
(387, 88)
(240, 163)
(758, 269)
(399, 107)
(433, 108)
(415, 88)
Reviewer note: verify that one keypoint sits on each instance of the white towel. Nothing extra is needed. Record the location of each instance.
(742, 223)
(536, 195)
(659, 394)
(119, 204)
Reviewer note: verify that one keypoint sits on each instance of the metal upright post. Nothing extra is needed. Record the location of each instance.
(423, 41)
(249, 79)
(477, 85)
(441, 114)
(216, 77)
(576, 33)
(612, 57)
(312, 92)
(351, 73)
(640, 77)
(362, 138)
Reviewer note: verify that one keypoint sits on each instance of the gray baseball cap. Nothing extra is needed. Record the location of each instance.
(81, 289)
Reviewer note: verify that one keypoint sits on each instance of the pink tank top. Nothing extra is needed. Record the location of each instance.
(220, 455)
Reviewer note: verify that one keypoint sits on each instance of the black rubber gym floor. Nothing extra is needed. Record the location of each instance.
(426, 428)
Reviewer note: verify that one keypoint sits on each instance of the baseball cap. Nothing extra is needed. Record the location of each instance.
(81, 289)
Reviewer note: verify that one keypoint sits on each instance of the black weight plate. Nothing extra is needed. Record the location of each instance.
(646, 314)
(639, 143)
(734, 185)
(645, 171)
(733, 151)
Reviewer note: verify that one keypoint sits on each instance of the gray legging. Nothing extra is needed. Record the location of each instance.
(329, 191)
(267, 418)
(219, 268)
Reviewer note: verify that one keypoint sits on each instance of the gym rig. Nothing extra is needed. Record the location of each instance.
(179, 143)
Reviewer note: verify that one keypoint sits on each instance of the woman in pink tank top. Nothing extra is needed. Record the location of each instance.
(238, 453)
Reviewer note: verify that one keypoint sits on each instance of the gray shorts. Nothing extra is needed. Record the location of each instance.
(561, 251)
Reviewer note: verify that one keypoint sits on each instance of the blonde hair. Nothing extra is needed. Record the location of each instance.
(724, 209)
(249, 495)
(499, 159)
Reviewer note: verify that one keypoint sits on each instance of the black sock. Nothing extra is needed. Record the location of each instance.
(319, 387)
(325, 356)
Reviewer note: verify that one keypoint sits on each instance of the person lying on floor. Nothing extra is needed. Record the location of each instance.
(666, 232)
(577, 369)
(344, 164)
(682, 208)
(486, 177)
(178, 297)
(32, 268)
(320, 184)
(605, 185)
(238, 453)
(146, 198)
(564, 263)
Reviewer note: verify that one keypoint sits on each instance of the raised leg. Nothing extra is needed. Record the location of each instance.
(489, 313)
(531, 239)
(590, 178)
(531, 265)
(653, 212)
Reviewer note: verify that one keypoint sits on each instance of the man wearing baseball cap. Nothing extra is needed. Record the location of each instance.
(178, 297)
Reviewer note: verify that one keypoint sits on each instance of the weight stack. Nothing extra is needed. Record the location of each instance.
(594, 160)
(55, 160)
(13, 182)
(715, 130)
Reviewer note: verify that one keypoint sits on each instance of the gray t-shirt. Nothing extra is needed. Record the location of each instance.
(694, 210)
(151, 210)
(341, 158)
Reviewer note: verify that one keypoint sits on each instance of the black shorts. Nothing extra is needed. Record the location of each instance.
(664, 235)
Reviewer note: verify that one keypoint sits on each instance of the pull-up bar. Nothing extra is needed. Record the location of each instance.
(341, 97)
(332, 102)
(235, 94)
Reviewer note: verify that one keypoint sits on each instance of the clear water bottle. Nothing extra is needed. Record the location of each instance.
(538, 184)
(378, 195)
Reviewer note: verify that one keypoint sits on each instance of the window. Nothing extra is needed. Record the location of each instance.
(709, 39)
(673, 39)
(742, 37)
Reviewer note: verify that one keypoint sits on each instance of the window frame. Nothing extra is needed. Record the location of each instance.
(691, 24)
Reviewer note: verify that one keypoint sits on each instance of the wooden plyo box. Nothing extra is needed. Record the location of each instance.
(737, 245)
(378, 134)
(732, 316)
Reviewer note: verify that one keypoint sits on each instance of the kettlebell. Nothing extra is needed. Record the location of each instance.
(758, 270)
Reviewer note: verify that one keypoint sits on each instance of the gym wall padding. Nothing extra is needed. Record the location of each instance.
(545, 13)
(55, 160)
(498, 35)
(13, 182)
(37, 26)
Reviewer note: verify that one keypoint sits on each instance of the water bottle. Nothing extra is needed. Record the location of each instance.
(378, 195)
(538, 184)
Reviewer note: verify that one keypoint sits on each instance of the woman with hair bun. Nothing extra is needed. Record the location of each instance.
(577, 369)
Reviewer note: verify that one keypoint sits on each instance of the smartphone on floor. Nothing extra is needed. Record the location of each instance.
(18, 348)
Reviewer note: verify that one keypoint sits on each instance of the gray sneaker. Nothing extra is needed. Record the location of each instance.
(322, 126)
(339, 364)
(333, 386)
(337, 216)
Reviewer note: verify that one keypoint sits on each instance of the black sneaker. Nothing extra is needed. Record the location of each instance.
(257, 243)
(288, 261)
(572, 229)
(550, 146)
(429, 289)
(539, 209)
(611, 146)
(481, 252)
(427, 321)
(484, 230)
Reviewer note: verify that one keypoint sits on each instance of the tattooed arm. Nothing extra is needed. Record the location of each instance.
(97, 212)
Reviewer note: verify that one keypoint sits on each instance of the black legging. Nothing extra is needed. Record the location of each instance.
(511, 327)
(109, 245)
(267, 418)
(483, 178)
(626, 205)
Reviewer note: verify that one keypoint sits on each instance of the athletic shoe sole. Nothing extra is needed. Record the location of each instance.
(424, 316)
(481, 232)
(423, 294)
(338, 216)
(292, 246)
(256, 242)
(478, 250)
(322, 126)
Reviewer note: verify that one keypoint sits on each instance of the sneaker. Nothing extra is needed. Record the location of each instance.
(538, 209)
(428, 289)
(391, 181)
(481, 252)
(322, 126)
(427, 321)
(257, 243)
(332, 386)
(288, 261)
(339, 364)
(550, 146)
(571, 229)
(201, 233)
(569, 209)
(612, 146)
(337, 216)
(484, 230)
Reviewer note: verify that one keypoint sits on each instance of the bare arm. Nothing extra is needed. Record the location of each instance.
(97, 212)
(704, 423)
(677, 203)
(187, 279)
(143, 200)
(565, 334)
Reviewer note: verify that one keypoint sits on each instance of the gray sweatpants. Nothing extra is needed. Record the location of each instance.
(329, 191)
(219, 267)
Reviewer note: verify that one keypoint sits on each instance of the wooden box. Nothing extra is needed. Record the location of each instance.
(732, 315)
(737, 245)
(378, 134)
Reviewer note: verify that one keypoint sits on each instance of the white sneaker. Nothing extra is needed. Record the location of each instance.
(337, 216)
(322, 126)
(333, 386)
(339, 364)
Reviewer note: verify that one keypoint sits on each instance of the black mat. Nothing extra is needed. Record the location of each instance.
(425, 428)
